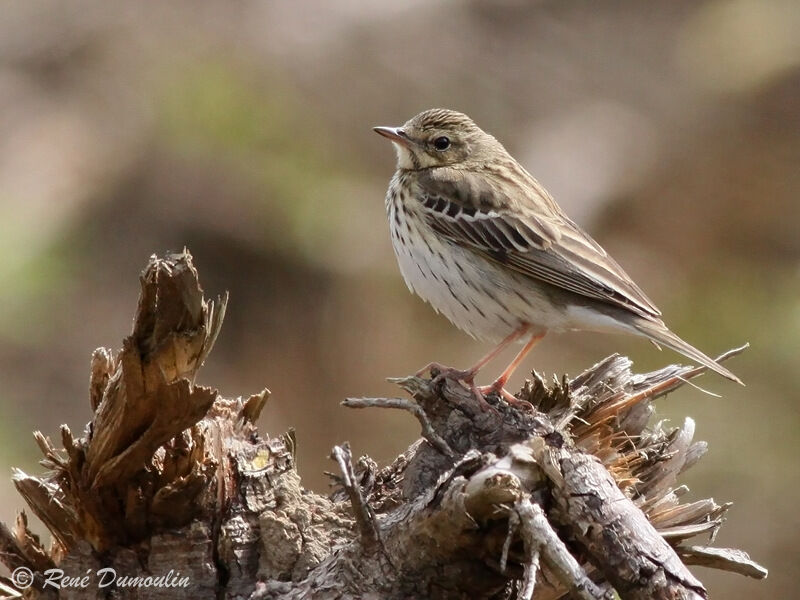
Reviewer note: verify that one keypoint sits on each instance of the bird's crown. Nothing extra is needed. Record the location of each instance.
(441, 118)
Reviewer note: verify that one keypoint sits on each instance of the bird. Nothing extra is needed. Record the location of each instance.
(481, 240)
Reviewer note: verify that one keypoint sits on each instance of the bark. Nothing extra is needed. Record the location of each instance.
(576, 496)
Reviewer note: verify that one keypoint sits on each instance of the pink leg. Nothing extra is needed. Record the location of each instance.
(469, 374)
(500, 383)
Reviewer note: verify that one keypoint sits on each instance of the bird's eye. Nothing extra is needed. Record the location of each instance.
(441, 143)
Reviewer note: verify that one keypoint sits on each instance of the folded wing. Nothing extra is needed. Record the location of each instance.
(517, 224)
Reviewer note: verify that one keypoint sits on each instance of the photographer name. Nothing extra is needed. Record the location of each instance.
(107, 576)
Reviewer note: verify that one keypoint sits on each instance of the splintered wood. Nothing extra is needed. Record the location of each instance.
(577, 497)
(586, 458)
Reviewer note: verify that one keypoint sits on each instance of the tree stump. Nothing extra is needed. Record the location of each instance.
(170, 491)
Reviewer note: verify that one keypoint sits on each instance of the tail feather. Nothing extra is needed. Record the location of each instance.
(658, 332)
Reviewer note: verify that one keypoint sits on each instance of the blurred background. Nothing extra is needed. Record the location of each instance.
(670, 130)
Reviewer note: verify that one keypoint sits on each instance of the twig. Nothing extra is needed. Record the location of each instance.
(539, 537)
(726, 559)
(409, 405)
(677, 381)
(513, 524)
(370, 537)
(681, 377)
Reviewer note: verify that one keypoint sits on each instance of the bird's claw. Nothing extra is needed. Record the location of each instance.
(440, 372)
(511, 399)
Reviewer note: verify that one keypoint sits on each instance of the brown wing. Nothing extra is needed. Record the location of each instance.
(500, 219)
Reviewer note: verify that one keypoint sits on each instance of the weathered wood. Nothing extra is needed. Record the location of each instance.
(577, 496)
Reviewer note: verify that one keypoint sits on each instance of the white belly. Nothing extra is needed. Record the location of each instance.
(478, 296)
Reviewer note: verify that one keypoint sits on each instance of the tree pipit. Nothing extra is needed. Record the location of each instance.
(486, 245)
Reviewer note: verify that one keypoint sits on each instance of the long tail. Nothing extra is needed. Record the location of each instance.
(658, 332)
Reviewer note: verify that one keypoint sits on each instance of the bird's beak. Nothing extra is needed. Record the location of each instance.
(395, 134)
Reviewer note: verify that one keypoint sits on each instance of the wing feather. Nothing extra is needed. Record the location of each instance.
(509, 221)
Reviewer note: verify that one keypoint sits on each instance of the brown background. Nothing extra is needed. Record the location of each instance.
(670, 130)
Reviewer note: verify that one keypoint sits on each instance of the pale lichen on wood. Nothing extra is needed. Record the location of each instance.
(577, 497)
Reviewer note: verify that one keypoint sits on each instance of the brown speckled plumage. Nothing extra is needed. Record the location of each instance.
(484, 243)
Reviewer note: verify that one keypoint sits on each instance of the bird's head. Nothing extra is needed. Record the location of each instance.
(438, 138)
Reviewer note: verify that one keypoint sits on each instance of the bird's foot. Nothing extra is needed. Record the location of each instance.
(440, 372)
(481, 398)
(498, 388)
(466, 376)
